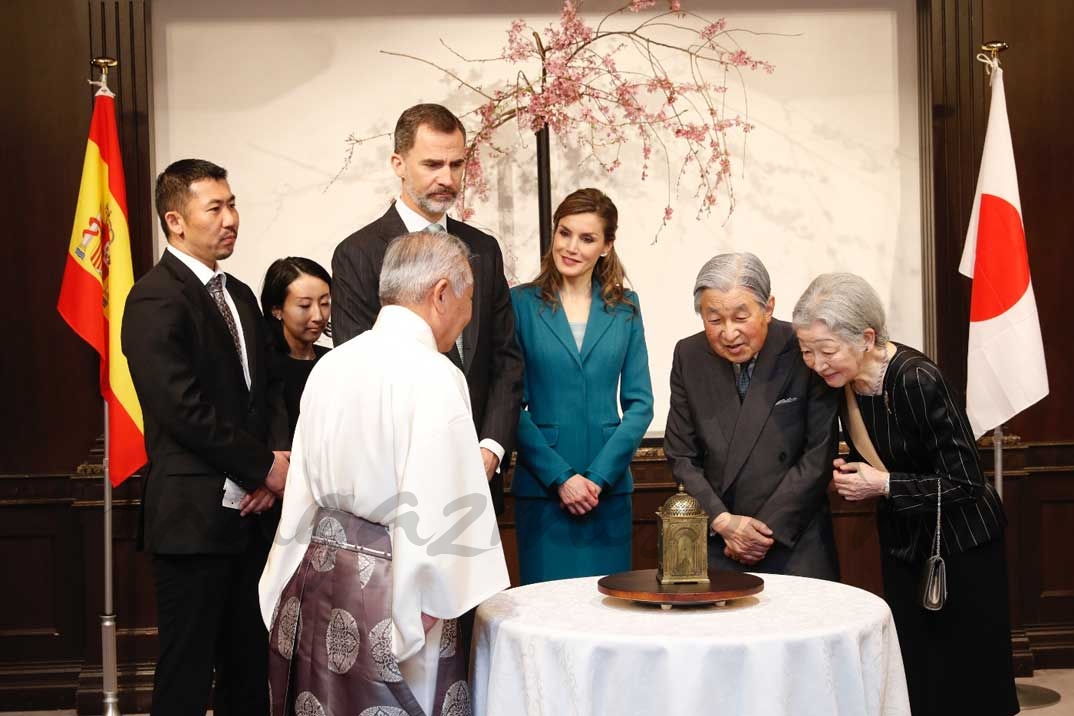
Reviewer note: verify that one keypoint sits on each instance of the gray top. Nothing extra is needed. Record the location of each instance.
(578, 329)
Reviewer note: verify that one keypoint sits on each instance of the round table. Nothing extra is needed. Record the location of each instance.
(801, 647)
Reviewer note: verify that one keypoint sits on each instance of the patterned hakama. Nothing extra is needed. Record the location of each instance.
(331, 635)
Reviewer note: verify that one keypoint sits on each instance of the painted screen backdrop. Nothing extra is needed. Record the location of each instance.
(827, 180)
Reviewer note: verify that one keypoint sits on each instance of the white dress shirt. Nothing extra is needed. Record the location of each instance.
(206, 274)
(414, 222)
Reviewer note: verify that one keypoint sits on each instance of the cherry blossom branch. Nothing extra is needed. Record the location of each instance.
(582, 93)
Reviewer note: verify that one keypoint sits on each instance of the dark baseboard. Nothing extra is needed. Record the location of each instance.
(135, 689)
(1052, 646)
(39, 685)
(1023, 653)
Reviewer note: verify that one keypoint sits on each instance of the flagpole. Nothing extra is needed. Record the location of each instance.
(109, 676)
(997, 460)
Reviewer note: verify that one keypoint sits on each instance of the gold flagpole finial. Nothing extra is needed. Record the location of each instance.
(103, 64)
(994, 47)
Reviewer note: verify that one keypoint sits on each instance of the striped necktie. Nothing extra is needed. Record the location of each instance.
(216, 290)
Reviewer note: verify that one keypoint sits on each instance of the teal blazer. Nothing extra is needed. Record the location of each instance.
(570, 421)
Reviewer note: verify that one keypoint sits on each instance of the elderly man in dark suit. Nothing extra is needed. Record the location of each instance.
(751, 430)
(197, 350)
(430, 151)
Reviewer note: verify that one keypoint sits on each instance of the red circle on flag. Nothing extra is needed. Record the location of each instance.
(1001, 265)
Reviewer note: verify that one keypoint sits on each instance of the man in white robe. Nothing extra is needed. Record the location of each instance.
(385, 433)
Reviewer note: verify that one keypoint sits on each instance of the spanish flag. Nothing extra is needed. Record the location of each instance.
(97, 279)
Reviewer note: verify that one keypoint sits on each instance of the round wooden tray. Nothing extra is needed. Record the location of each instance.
(641, 585)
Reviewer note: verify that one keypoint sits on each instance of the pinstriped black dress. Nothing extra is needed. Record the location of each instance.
(957, 660)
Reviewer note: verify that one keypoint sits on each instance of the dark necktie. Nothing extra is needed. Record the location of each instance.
(742, 379)
(216, 290)
(438, 227)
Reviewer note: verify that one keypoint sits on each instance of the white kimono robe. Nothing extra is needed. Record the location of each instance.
(385, 432)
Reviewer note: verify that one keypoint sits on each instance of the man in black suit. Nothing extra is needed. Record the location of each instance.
(430, 151)
(751, 430)
(197, 350)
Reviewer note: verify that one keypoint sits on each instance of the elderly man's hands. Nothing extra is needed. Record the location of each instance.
(747, 539)
(578, 495)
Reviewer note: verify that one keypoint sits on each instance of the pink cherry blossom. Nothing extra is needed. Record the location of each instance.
(581, 92)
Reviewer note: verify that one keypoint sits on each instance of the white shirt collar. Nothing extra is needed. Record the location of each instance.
(402, 322)
(413, 221)
(203, 272)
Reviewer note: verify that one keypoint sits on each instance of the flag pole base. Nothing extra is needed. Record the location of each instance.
(110, 681)
(1035, 697)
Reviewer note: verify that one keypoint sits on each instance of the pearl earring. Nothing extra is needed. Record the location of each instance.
(604, 254)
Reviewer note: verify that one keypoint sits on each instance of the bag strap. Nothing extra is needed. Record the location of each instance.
(858, 434)
(863, 443)
(936, 536)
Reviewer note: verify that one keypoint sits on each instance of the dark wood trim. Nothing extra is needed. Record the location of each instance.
(122, 29)
(926, 159)
(957, 125)
(135, 682)
(40, 685)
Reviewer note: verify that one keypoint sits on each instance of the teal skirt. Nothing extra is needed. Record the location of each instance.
(554, 544)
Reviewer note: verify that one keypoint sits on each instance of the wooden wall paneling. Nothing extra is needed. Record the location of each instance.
(957, 135)
(856, 542)
(1039, 107)
(1047, 577)
(40, 616)
(1054, 592)
(45, 128)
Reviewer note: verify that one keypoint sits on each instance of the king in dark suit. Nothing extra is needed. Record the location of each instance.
(751, 430)
(197, 350)
(430, 151)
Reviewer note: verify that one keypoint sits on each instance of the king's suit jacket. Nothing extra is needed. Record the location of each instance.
(202, 424)
(570, 422)
(492, 362)
(767, 457)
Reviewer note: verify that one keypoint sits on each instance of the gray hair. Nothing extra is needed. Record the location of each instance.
(414, 263)
(846, 304)
(729, 271)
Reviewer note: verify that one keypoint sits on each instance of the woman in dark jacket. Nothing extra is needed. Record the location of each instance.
(957, 658)
(296, 299)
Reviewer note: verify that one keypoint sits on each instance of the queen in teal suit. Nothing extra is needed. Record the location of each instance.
(582, 337)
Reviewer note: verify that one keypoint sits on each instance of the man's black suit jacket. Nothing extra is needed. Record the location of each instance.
(492, 360)
(768, 456)
(202, 424)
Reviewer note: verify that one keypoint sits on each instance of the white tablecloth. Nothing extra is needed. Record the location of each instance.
(800, 647)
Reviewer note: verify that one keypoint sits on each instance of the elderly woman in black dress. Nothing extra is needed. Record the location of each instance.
(957, 659)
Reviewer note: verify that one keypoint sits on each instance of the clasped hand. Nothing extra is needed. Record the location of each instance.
(857, 480)
(578, 495)
(746, 539)
(264, 497)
